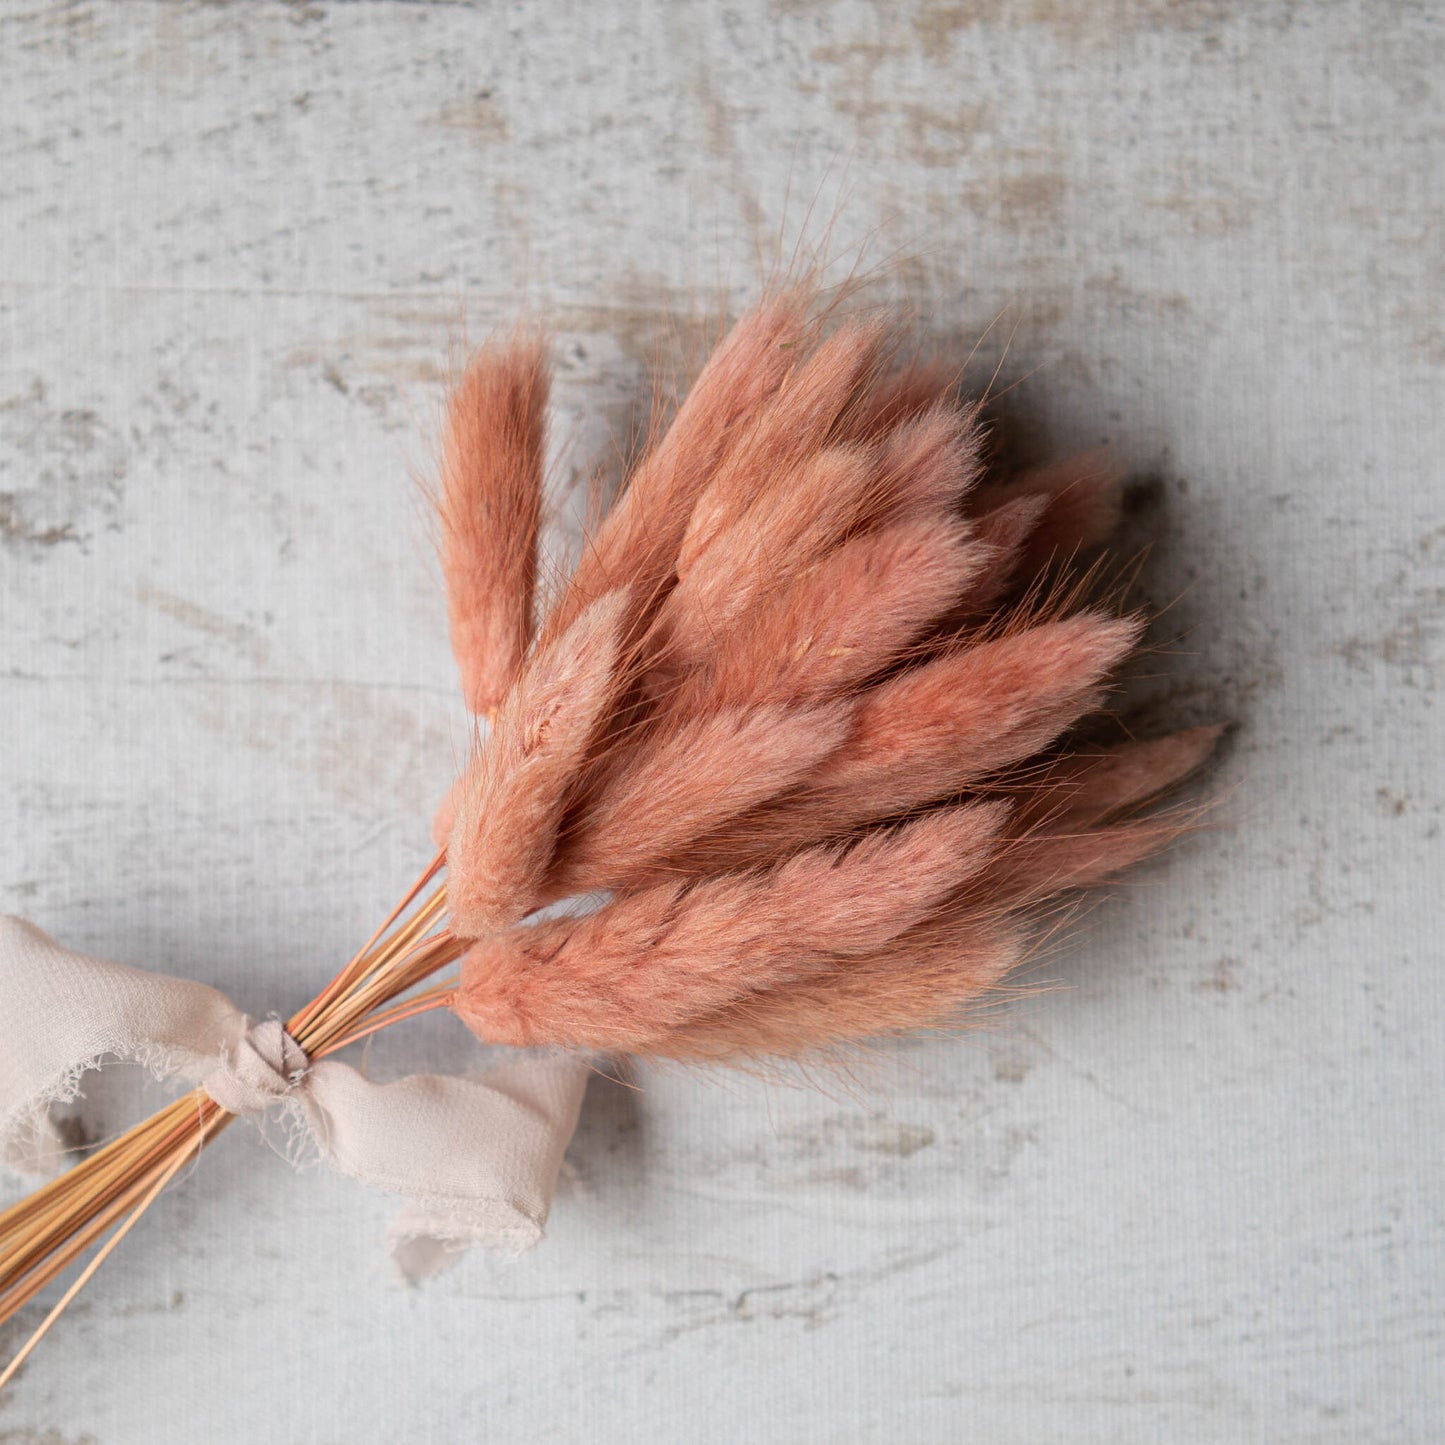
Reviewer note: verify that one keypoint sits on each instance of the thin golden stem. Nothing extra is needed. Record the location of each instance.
(434, 998)
(89, 1198)
(340, 982)
(435, 953)
(149, 1198)
(41, 1199)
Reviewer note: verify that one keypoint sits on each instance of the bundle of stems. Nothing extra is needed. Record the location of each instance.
(102, 1197)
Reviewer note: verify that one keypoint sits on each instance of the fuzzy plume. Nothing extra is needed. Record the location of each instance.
(804, 714)
(687, 781)
(637, 543)
(927, 465)
(489, 503)
(1093, 785)
(785, 530)
(511, 801)
(839, 622)
(797, 423)
(930, 731)
(1079, 504)
(651, 960)
(925, 978)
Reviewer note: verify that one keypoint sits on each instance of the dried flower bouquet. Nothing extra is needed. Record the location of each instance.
(799, 724)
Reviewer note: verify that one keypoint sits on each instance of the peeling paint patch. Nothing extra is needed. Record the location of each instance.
(478, 116)
(192, 614)
(938, 26)
(62, 471)
(26, 1435)
(1021, 201)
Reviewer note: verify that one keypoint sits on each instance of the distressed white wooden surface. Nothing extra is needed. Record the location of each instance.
(1196, 1195)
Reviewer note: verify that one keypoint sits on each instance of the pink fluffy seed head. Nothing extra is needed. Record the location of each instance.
(1043, 864)
(840, 622)
(801, 419)
(1092, 785)
(688, 781)
(1079, 504)
(637, 543)
(1005, 531)
(651, 961)
(489, 504)
(512, 798)
(785, 531)
(917, 982)
(936, 728)
(927, 466)
(895, 400)
(931, 731)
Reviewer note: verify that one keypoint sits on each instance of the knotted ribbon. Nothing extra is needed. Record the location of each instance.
(476, 1156)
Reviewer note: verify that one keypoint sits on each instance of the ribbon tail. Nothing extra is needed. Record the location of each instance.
(62, 1012)
(476, 1156)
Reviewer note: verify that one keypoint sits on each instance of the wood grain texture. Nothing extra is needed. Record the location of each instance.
(1193, 1195)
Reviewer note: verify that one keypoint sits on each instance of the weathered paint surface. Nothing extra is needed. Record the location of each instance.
(1194, 1195)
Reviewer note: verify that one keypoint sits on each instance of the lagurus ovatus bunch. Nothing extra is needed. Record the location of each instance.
(799, 716)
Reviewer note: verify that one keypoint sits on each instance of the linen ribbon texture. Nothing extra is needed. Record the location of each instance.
(476, 1156)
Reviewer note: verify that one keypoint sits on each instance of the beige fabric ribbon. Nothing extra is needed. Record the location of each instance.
(476, 1156)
